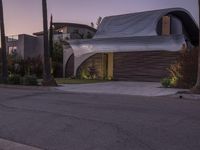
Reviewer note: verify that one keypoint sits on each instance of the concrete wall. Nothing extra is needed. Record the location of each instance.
(27, 46)
(39, 49)
(30, 44)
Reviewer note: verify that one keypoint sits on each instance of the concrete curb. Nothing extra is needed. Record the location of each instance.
(109, 93)
(9, 145)
(121, 88)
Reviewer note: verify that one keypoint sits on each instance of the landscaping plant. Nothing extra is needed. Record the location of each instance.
(183, 73)
(29, 80)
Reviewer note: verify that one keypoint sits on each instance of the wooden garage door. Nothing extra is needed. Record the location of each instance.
(143, 66)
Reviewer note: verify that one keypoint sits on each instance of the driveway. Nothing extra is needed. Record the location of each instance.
(124, 88)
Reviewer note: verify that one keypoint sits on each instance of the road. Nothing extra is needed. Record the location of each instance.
(54, 120)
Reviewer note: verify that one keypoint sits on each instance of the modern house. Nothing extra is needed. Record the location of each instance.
(138, 46)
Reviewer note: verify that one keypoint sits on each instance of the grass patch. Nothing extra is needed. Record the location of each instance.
(77, 81)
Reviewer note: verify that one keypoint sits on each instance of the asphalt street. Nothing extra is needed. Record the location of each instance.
(55, 120)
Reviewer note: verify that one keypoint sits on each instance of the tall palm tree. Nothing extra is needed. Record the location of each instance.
(47, 79)
(3, 46)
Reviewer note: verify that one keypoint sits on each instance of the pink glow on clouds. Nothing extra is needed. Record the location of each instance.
(24, 16)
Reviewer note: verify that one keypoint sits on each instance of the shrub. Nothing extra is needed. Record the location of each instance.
(166, 82)
(29, 80)
(17, 65)
(84, 74)
(92, 72)
(183, 73)
(14, 79)
(88, 73)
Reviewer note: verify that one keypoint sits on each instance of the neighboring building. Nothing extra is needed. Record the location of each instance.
(69, 31)
(24, 46)
(139, 46)
(27, 46)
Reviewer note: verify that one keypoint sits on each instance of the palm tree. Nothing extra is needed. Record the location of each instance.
(3, 46)
(47, 79)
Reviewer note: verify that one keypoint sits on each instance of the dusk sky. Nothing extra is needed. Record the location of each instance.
(25, 16)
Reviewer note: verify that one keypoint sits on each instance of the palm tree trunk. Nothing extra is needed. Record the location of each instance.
(47, 73)
(3, 46)
(48, 80)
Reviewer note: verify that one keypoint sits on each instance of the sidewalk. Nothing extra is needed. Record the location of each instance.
(123, 88)
(9, 145)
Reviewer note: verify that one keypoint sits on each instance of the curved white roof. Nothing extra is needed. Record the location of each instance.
(136, 32)
(135, 24)
(128, 44)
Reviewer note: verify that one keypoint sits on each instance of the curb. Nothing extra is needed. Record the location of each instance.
(106, 93)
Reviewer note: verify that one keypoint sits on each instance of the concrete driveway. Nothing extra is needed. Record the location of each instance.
(123, 88)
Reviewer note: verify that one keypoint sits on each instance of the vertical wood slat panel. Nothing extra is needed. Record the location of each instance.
(143, 66)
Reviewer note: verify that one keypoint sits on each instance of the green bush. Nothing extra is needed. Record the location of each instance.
(88, 73)
(84, 74)
(29, 80)
(166, 82)
(14, 79)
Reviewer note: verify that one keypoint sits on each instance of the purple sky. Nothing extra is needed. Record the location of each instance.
(24, 16)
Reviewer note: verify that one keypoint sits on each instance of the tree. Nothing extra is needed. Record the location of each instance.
(3, 46)
(98, 21)
(57, 59)
(51, 37)
(92, 24)
(47, 78)
(197, 86)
